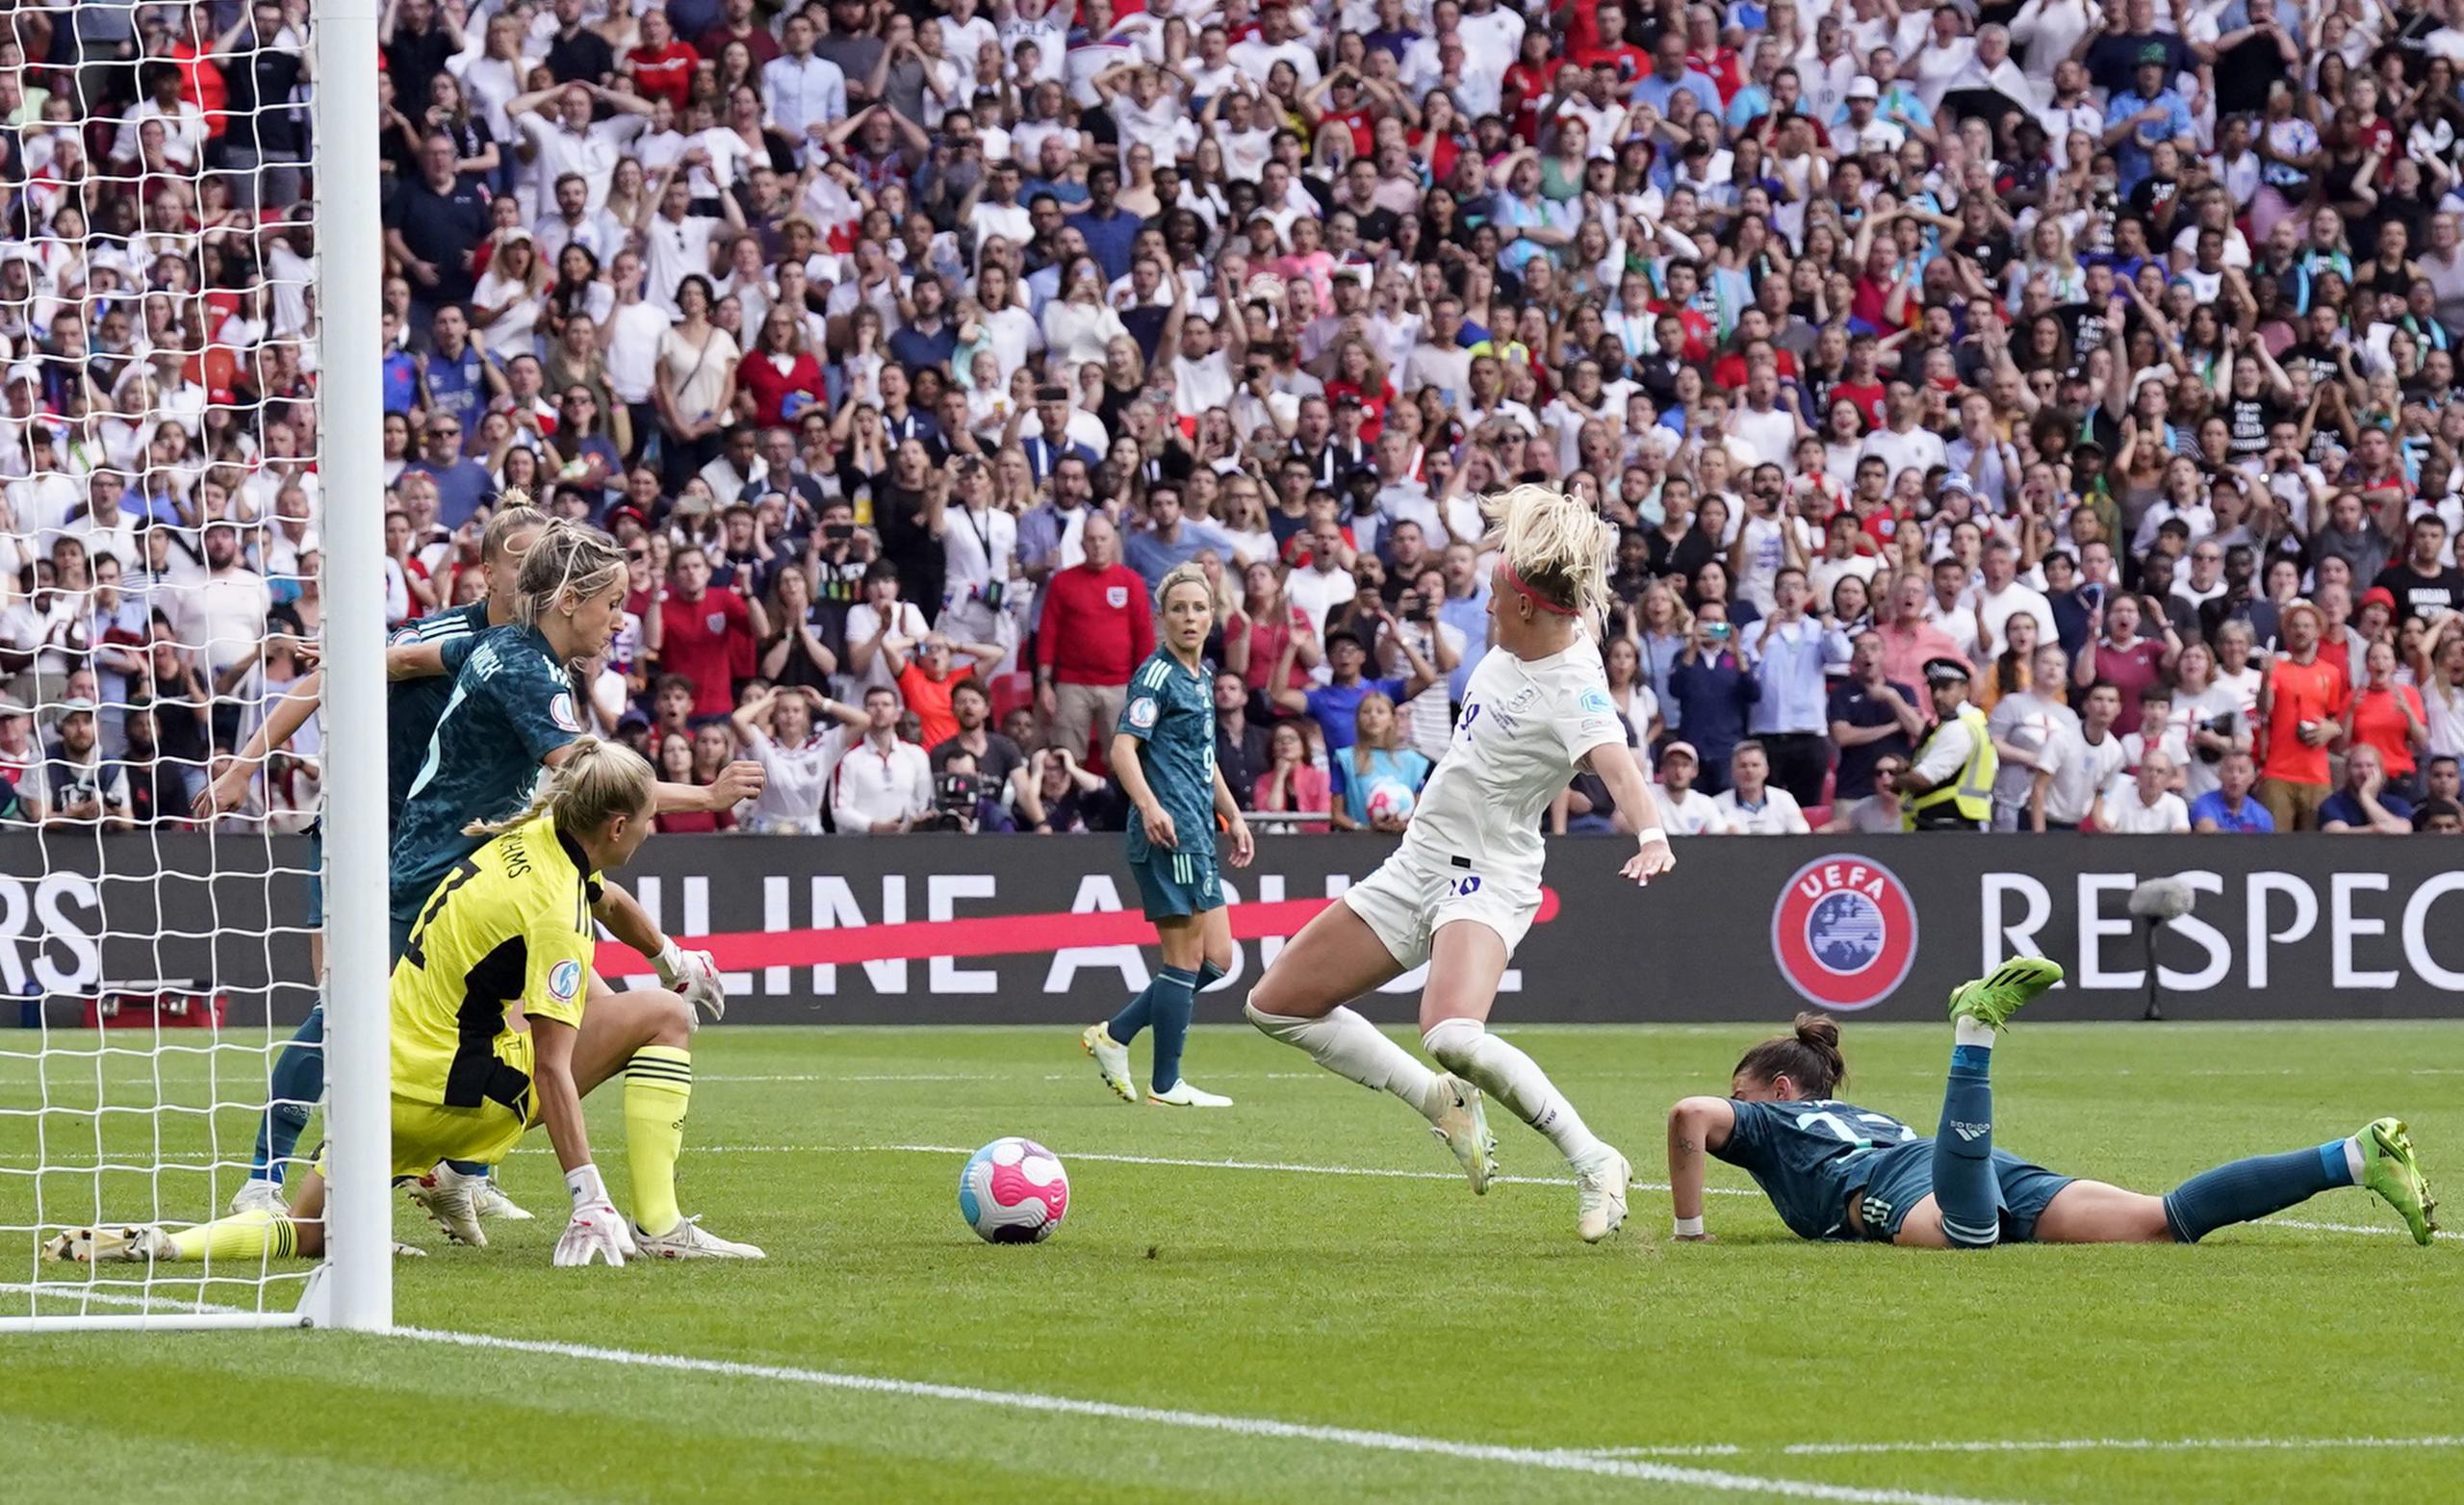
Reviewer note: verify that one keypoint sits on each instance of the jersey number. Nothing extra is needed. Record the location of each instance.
(1889, 1130)
(416, 953)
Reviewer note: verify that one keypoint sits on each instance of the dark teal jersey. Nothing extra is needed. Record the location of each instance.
(510, 707)
(1172, 709)
(1808, 1158)
(413, 706)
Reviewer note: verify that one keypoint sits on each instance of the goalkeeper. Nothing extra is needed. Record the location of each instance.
(509, 928)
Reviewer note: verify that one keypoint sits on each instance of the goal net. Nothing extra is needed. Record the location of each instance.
(168, 447)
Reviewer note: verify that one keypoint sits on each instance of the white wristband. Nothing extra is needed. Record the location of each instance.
(1689, 1228)
(587, 1189)
(669, 961)
(1645, 837)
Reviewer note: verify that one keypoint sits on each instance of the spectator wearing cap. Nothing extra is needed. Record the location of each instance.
(1096, 627)
(1712, 689)
(1790, 654)
(86, 788)
(1335, 706)
(2301, 708)
(1683, 810)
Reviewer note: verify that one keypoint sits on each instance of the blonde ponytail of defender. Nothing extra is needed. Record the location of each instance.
(599, 782)
(514, 512)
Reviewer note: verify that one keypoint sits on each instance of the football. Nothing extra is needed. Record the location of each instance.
(1390, 800)
(1014, 1192)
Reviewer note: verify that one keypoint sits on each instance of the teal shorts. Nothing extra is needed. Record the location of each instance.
(1903, 1176)
(1174, 884)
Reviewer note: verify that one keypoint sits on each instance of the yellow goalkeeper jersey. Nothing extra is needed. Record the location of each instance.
(508, 927)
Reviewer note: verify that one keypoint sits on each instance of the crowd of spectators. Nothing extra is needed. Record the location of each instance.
(2105, 348)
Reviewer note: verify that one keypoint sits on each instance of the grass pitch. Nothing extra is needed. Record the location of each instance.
(1425, 1344)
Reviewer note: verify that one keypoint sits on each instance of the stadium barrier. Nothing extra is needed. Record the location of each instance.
(970, 930)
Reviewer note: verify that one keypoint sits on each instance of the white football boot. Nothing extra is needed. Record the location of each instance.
(125, 1245)
(688, 1239)
(1462, 1125)
(1111, 1062)
(1180, 1094)
(259, 1195)
(1600, 1195)
(450, 1200)
(490, 1200)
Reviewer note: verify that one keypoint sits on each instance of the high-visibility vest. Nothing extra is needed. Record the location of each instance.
(1972, 792)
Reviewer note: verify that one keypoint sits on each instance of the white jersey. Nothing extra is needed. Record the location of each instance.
(1525, 724)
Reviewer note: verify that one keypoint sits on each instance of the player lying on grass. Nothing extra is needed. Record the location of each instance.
(495, 1030)
(1164, 753)
(1833, 1170)
(1461, 891)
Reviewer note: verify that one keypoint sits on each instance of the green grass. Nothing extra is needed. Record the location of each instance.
(1384, 1303)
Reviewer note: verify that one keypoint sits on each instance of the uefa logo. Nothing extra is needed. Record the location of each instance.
(1844, 933)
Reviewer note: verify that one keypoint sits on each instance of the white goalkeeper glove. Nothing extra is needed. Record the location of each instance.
(693, 974)
(596, 1231)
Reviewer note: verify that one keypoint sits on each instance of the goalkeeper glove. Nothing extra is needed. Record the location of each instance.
(693, 974)
(596, 1231)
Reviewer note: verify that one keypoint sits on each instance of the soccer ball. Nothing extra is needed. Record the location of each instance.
(1014, 1192)
(1390, 801)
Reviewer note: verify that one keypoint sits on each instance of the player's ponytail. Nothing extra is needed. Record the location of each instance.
(598, 782)
(514, 513)
(1808, 1056)
(1556, 546)
(567, 557)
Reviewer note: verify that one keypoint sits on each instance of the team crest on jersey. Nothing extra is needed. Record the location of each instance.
(560, 710)
(1844, 933)
(564, 981)
(716, 622)
(1117, 596)
(1143, 712)
(1596, 702)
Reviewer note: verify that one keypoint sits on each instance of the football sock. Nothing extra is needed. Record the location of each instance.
(1208, 975)
(659, 1088)
(1349, 1046)
(298, 1081)
(1466, 1048)
(1963, 1181)
(1171, 998)
(1134, 1016)
(2251, 1188)
(248, 1235)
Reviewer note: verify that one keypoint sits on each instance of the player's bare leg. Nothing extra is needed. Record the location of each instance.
(1467, 961)
(646, 1034)
(1301, 1002)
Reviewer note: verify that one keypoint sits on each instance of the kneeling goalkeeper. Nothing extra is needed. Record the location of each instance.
(490, 1037)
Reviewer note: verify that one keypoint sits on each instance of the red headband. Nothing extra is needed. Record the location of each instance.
(1515, 579)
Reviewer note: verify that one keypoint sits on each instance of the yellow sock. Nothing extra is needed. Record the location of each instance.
(659, 1088)
(246, 1236)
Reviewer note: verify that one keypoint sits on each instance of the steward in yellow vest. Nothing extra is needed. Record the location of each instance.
(1950, 786)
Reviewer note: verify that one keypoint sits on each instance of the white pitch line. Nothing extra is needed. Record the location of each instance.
(1554, 1460)
(2071, 1444)
(2352, 1228)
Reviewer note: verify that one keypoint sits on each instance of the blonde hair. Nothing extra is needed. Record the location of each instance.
(566, 556)
(1555, 544)
(514, 512)
(1362, 748)
(1188, 574)
(599, 782)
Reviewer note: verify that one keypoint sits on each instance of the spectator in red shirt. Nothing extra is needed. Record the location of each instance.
(925, 680)
(662, 65)
(2119, 656)
(2388, 716)
(780, 368)
(1608, 46)
(200, 78)
(1096, 630)
(740, 26)
(707, 632)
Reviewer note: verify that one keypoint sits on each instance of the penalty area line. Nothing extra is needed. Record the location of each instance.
(1552, 1459)
(2069, 1445)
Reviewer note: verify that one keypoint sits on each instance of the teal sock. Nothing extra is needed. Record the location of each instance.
(1133, 1017)
(1208, 975)
(1964, 1178)
(1172, 1000)
(2247, 1189)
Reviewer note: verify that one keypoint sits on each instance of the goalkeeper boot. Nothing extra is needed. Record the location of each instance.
(450, 1200)
(490, 1200)
(2388, 1167)
(260, 1195)
(1600, 1195)
(137, 1245)
(1111, 1062)
(1993, 1000)
(1180, 1094)
(688, 1239)
(1462, 1125)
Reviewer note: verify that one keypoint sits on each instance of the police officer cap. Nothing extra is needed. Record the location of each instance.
(1945, 670)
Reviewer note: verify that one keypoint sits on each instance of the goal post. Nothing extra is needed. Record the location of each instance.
(153, 975)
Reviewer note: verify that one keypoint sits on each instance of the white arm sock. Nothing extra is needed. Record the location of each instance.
(1466, 1048)
(1349, 1046)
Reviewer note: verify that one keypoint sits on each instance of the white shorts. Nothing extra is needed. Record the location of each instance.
(1411, 895)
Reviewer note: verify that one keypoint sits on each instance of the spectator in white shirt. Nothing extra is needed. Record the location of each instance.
(2141, 805)
(885, 786)
(1751, 805)
(777, 729)
(1683, 810)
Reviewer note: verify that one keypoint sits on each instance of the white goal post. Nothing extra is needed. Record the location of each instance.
(101, 1123)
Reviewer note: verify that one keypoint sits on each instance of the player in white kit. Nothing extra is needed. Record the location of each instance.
(1462, 889)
